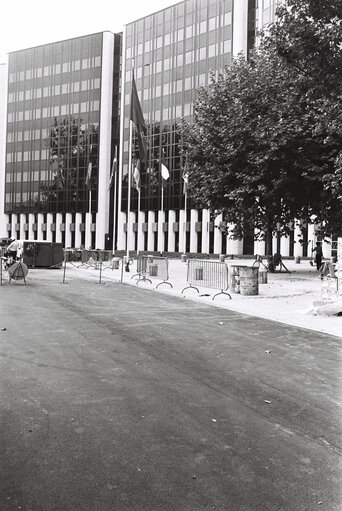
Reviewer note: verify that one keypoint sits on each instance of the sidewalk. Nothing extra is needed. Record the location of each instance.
(288, 298)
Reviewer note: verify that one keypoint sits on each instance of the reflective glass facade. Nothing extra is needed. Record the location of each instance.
(173, 52)
(52, 126)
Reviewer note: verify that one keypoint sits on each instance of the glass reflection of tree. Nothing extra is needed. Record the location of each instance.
(158, 138)
(72, 145)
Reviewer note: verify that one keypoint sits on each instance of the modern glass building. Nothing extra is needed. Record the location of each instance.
(68, 106)
(174, 52)
(62, 115)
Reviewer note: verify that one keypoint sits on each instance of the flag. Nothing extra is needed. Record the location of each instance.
(114, 168)
(136, 175)
(185, 177)
(88, 178)
(163, 168)
(137, 117)
(136, 114)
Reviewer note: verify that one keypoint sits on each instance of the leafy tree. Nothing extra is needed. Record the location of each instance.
(267, 133)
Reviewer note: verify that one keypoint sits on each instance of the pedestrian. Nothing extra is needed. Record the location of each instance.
(319, 255)
(12, 249)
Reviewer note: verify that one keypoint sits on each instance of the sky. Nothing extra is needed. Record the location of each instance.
(27, 23)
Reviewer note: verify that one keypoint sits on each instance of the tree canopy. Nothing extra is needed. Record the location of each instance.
(264, 146)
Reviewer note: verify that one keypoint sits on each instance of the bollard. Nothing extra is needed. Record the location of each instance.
(183, 258)
(222, 258)
(297, 259)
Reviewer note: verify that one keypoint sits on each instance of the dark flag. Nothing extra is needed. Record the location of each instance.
(137, 117)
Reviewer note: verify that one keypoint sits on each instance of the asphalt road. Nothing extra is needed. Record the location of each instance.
(117, 398)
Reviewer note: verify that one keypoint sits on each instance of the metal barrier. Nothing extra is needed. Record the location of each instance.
(92, 258)
(212, 274)
(153, 266)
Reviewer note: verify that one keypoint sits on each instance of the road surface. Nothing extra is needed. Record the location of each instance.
(118, 398)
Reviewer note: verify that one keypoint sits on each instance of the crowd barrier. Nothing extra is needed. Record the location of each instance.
(153, 266)
(206, 273)
(93, 258)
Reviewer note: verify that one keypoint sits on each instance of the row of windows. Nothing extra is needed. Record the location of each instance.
(200, 54)
(37, 134)
(55, 90)
(53, 69)
(181, 14)
(55, 111)
(181, 34)
(28, 177)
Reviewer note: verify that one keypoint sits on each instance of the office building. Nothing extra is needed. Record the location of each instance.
(65, 103)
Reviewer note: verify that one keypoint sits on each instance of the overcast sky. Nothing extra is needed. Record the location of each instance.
(27, 23)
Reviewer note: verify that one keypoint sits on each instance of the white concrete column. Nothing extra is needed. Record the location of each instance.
(182, 231)
(141, 234)
(234, 247)
(150, 232)
(88, 221)
(22, 232)
(217, 235)
(161, 234)
(311, 239)
(298, 247)
(259, 245)
(285, 246)
(240, 25)
(68, 221)
(130, 233)
(78, 236)
(326, 246)
(31, 231)
(49, 221)
(40, 221)
(102, 215)
(121, 239)
(171, 238)
(59, 220)
(193, 233)
(205, 231)
(4, 218)
(13, 224)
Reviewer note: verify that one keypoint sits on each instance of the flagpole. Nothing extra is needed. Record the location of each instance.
(90, 218)
(138, 220)
(185, 217)
(114, 215)
(128, 223)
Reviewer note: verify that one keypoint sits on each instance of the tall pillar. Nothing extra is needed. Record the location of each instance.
(326, 246)
(31, 231)
(141, 234)
(171, 238)
(285, 246)
(40, 222)
(234, 247)
(182, 231)
(161, 234)
(240, 26)
(150, 231)
(130, 233)
(78, 236)
(22, 226)
(298, 247)
(14, 222)
(121, 235)
(193, 233)
(217, 235)
(68, 221)
(59, 220)
(49, 222)
(205, 231)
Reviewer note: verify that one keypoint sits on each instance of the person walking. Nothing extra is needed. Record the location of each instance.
(12, 249)
(319, 255)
